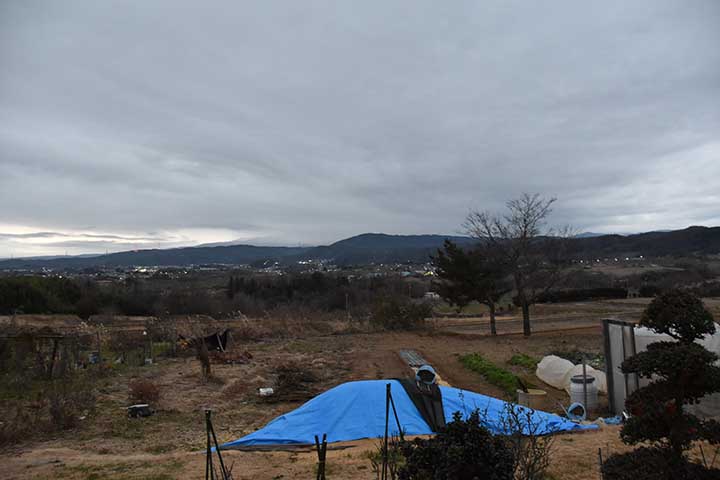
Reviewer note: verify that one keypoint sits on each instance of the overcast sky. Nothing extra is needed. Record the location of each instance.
(135, 124)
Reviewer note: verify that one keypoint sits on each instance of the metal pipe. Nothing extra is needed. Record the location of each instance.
(385, 442)
(585, 397)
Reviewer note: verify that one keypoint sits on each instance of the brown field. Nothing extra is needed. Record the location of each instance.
(168, 445)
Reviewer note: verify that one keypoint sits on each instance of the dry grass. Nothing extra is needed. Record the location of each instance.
(111, 446)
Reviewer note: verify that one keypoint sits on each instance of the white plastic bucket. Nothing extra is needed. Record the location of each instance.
(577, 394)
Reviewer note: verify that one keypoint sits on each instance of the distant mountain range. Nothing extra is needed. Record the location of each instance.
(377, 248)
(589, 235)
(689, 241)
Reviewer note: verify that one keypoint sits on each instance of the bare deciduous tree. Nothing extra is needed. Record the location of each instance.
(531, 250)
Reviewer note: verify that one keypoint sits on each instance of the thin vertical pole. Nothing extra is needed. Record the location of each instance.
(585, 397)
(217, 446)
(208, 457)
(609, 366)
(385, 442)
(397, 420)
(322, 453)
(317, 447)
(324, 447)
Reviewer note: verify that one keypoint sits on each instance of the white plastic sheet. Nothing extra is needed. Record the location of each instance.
(557, 372)
(552, 370)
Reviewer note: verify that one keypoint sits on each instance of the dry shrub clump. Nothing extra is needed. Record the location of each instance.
(236, 389)
(18, 424)
(251, 330)
(399, 313)
(293, 382)
(62, 405)
(287, 321)
(69, 402)
(143, 390)
(231, 357)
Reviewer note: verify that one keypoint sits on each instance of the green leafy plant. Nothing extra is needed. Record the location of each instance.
(495, 375)
(396, 459)
(594, 359)
(523, 360)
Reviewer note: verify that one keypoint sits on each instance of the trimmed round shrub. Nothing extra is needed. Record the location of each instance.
(682, 372)
(679, 314)
(464, 450)
(653, 464)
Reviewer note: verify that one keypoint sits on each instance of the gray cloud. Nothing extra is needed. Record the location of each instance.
(309, 122)
(59, 235)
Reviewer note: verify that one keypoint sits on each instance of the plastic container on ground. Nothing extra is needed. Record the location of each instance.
(265, 391)
(532, 398)
(577, 393)
(600, 378)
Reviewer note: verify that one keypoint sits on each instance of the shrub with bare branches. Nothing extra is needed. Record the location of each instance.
(528, 439)
(69, 402)
(293, 382)
(143, 390)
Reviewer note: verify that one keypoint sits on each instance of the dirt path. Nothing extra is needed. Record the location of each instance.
(574, 458)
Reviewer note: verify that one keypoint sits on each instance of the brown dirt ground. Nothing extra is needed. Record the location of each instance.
(166, 445)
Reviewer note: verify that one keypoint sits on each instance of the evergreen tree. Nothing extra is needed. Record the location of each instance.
(472, 275)
(682, 372)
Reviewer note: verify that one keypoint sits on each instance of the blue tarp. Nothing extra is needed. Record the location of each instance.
(356, 410)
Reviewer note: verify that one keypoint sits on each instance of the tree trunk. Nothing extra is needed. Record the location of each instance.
(526, 317)
(204, 357)
(522, 297)
(491, 306)
(51, 366)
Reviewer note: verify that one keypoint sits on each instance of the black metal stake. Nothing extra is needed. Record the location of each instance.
(389, 402)
(208, 457)
(217, 446)
(397, 420)
(322, 453)
(385, 441)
